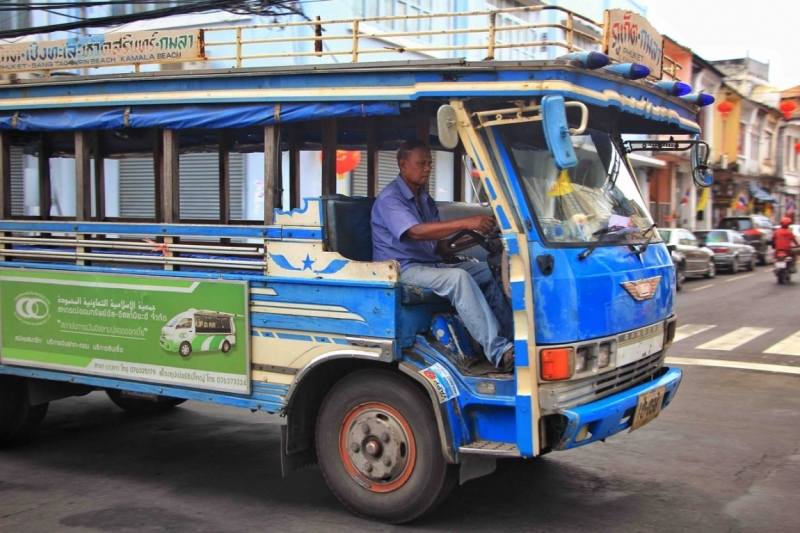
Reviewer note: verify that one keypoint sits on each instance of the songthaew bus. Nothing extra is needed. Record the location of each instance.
(378, 381)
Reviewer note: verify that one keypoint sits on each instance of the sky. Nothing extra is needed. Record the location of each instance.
(766, 30)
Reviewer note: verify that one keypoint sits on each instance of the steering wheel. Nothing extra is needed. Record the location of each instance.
(475, 239)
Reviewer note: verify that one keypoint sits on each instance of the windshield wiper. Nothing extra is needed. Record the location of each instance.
(601, 234)
(643, 247)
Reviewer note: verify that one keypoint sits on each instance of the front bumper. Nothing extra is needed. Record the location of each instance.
(611, 415)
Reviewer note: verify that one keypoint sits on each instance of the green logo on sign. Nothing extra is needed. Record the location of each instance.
(32, 308)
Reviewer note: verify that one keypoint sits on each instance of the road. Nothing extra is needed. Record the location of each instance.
(724, 457)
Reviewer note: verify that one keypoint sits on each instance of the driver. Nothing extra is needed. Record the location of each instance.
(406, 228)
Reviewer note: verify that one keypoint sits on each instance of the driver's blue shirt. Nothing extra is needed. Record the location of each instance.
(394, 213)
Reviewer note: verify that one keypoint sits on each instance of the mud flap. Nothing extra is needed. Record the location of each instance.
(475, 466)
(297, 460)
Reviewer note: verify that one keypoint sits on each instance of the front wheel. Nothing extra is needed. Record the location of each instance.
(712, 270)
(680, 277)
(185, 349)
(735, 265)
(751, 265)
(378, 447)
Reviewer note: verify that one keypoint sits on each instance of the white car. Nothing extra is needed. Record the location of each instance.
(796, 230)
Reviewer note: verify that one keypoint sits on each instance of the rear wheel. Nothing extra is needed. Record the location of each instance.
(379, 449)
(226, 346)
(751, 265)
(735, 265)
(712, 270)
(142, 405)
(18, 418)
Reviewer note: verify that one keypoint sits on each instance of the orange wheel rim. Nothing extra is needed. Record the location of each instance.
(377, 447)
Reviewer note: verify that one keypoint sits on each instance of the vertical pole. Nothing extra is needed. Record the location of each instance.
(372, 158)
(99, 177)
(83, 177)
(158, 173)
(5, 184)
(328, 157)
(294, 166)
(171, 199)
(271, 171)
(224, 178)
(458, 173)
(45, 194)
(5, 176)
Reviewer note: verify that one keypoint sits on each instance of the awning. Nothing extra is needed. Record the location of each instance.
(178, 117)
(760, 194)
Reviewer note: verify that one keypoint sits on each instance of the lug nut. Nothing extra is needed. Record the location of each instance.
(385, 437)
(355, 447)
(365, 428)
(368, 467)
(387, 461)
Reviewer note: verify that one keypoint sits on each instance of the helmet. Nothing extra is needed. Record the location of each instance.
(785, 221)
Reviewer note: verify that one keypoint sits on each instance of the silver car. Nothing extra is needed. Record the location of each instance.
(731, 251)
(698, 261)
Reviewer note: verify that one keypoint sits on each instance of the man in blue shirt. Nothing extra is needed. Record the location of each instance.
(406, 228)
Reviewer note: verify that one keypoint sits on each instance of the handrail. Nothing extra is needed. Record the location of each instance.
(488, 35)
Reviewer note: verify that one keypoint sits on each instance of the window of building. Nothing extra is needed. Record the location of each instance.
(15, 19)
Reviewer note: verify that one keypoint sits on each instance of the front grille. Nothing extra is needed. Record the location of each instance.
(555, 397)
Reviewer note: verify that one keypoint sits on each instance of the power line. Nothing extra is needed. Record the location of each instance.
(246, 7)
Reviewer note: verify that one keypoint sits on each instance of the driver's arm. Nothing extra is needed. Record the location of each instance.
(437, 231)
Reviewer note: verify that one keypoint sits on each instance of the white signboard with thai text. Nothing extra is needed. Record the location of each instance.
(629, 38)
(129, 48)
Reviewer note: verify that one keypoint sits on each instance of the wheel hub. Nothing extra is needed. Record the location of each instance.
(377, 445)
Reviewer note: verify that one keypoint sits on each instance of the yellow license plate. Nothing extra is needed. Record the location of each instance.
(648, 407)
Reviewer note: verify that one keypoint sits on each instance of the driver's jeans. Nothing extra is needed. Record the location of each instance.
(478, 299)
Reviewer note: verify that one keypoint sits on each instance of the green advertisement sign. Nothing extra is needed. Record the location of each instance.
(161, 330)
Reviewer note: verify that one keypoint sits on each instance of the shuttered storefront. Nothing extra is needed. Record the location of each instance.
(17, 182)
(387, 172)
(199, 186)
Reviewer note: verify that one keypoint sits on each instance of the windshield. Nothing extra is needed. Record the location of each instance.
(711, 236)
(582, 204)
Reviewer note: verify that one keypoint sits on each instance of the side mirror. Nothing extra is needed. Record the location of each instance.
(702, 174)
(556, 132)
(446, 126)
(671, 248)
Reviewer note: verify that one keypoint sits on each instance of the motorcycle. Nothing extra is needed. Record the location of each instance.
(783, 268)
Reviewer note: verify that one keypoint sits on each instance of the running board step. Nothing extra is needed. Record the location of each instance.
(485, 447)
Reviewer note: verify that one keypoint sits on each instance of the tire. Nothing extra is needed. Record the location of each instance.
(751, 265)
(142, 406)
(226, 346)
(712, 269)
(762, 258)
(19, 420)
(185, 349)
(372, 414)
(735, 265)
(680, 277)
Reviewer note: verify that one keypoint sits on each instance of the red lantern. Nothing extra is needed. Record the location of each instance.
(797, 147)
(347, 160)
(787, 107)
(724, 108)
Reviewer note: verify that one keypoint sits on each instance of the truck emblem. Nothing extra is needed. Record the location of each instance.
(642, 289)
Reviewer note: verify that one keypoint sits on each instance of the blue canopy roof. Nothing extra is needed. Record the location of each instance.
(761, 194)
(179, 117)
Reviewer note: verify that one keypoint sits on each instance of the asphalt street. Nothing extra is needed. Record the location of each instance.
(724, 457)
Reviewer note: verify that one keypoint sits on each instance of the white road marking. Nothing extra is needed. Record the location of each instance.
(738, 277)
(788, 346)
(734, 339)
(687, 330)
(733, 364)
(703, 287)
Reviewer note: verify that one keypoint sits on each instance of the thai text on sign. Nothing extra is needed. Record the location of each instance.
(629, 38)
(104, 50)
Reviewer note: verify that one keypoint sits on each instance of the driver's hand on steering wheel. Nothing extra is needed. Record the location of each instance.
(481, 223)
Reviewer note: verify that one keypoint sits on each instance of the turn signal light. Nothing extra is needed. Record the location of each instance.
(557, 363)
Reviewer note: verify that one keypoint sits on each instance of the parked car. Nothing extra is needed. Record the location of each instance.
(731, 251)
(698, 261)
(756, 229)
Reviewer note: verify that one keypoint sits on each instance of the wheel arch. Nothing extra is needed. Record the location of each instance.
(313, 384)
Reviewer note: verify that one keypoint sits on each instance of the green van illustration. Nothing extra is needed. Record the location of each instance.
(199, 331)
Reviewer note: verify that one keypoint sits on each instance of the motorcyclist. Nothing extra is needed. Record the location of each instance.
(784, 239)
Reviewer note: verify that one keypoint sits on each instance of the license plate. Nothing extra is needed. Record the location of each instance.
(648, 407)
(780, 264)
